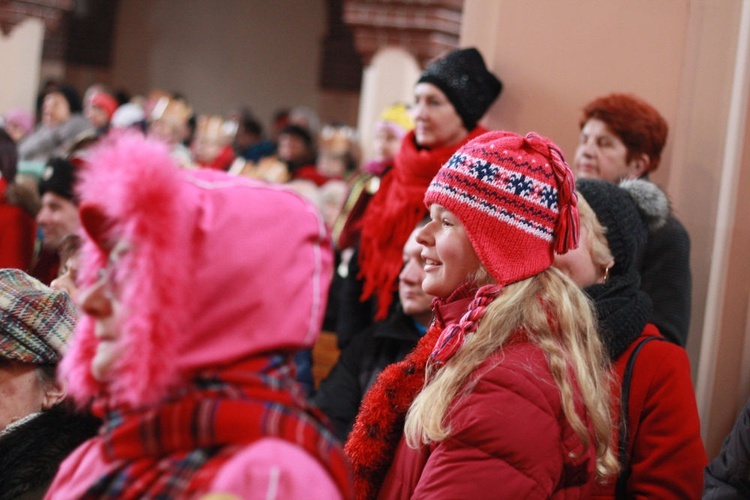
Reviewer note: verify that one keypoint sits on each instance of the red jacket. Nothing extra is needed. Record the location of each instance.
(666, 452)
(17, 234)
(509, 439)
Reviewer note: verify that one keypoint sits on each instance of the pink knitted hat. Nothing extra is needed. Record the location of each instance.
(515, 197)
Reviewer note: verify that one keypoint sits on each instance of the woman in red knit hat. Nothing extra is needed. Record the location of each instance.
(507, 394)
(450, 98)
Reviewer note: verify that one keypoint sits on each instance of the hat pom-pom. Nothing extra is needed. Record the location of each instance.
(652, 203)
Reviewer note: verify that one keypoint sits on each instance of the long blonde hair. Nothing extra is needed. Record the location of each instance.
(572, 344)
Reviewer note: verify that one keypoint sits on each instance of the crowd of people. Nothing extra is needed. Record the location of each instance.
(510, 324)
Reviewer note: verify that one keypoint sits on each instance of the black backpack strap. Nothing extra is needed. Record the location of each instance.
(622, 441)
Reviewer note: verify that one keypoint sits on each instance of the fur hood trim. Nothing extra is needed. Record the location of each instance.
(651, 201)
(214, 269)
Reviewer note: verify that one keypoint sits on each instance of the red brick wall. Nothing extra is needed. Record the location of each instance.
(425, 28)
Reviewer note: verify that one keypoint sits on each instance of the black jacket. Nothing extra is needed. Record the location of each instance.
(31, 453)
(359, 365)
(666, 278)
(728, 475)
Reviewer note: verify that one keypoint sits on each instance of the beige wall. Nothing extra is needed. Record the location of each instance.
(680, 55)
(20, 57)
(389, 79)
(219, 54)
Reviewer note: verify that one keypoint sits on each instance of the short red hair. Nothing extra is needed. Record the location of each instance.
(638, 124)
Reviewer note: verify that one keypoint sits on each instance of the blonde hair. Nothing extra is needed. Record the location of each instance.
(595, 234)
(570, 345)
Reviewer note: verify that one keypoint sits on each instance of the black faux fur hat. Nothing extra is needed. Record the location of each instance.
(466, 82)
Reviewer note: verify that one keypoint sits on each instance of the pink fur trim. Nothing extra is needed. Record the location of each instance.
(136, 184)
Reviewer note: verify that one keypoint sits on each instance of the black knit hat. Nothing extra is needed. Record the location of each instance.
(58, 177)
(466, 82)
(629, 212)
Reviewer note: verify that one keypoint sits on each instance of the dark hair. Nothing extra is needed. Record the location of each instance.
(251, 125)
(638, 124)
(46, 374)
(8, 156)
(300, 132)
(71, 95)
(69, 246)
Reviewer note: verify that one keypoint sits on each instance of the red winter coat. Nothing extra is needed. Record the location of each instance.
(17, 234)
(509, 439)
(666, 452)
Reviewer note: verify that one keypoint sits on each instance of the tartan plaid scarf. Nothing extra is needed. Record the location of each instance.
(174, 450)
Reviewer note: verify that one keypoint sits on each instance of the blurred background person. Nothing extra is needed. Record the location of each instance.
(18, 123)
(296, 148)
(168, 121)
(211, 146)
(62, 121)
(249, 141)
(58, 216)
(17, 226)
(99, 107)
(70, 261)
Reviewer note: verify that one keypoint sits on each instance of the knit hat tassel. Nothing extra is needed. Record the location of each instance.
(567, 230)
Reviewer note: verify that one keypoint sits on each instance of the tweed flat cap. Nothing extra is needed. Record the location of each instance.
(36, 321)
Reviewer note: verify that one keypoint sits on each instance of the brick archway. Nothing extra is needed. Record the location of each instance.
(425, 28)
(13, 12)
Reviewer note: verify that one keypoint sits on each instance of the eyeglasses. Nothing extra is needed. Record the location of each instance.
(108, 275)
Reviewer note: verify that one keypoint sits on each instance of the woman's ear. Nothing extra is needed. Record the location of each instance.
(606, 268)
(638, 166)
(54, 393)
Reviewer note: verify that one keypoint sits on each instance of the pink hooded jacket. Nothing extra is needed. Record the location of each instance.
(219, 269)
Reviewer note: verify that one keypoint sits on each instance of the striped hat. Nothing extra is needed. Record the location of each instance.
(515, 197)
(35, 320)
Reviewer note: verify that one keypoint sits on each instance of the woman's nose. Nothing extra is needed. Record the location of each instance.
(410, 272)
(94, 301)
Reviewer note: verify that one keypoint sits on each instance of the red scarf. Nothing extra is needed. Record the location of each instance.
(380, 421)
(393, 213)
(174, 450)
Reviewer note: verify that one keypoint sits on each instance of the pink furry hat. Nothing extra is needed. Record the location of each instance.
(217, 269)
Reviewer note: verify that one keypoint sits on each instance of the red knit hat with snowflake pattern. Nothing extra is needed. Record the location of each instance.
(515, 197)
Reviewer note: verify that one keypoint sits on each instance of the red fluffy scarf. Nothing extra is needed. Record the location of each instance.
(393, 213)
(380, 421)
(175, 449)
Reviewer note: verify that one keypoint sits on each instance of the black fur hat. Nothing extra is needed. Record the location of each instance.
(464, 79)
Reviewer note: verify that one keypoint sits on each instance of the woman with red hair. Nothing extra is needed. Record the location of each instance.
(622, 137)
